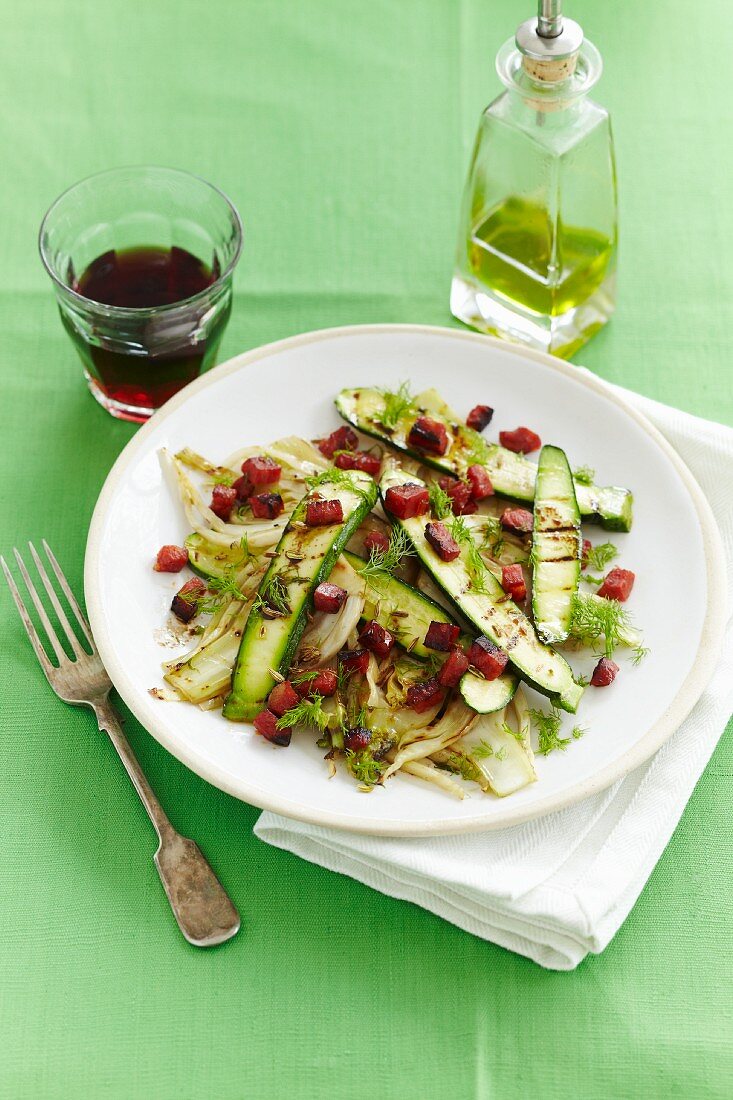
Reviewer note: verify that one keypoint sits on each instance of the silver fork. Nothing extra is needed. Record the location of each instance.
(204, 912)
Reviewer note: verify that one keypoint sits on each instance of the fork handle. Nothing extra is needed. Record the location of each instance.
(203, 909)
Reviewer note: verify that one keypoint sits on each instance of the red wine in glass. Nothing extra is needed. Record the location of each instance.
(163, 351)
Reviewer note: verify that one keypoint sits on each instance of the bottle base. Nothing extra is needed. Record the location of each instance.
(478, 307)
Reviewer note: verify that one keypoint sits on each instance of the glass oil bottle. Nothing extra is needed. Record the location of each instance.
(536, 258)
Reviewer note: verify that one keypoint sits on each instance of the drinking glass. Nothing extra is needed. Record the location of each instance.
(137, 356)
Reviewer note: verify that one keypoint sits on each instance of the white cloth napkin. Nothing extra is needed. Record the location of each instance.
(559, 887)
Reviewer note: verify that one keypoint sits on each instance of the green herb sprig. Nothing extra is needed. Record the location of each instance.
(397, 403)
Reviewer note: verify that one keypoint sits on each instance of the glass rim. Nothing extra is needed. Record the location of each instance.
(138, 311)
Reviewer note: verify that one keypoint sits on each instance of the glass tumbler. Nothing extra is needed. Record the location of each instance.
(171, 241)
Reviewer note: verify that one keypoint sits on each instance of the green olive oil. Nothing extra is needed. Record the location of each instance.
(547, 269)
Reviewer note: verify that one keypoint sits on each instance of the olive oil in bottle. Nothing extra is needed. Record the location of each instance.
(537, 242)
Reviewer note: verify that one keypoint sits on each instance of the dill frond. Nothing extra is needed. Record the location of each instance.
(599, 556)
(396, 404)
(440, 503)
(273, 597)
(595, 619)
(493, 541)
(308, 712)
(364, 768)
(475, 448)
(640, 652)
(548, 731)
(384, 562)
(474, 562)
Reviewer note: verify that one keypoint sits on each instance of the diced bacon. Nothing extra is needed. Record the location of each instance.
(453, 668)
(428, 435)
(487, 658)
(186, 600)
(324, 683)
(266, 724)
(517, 520)
(425, 695)
(587, 547)
(480, 482)
(441, 636)
(442, 542)
(342, 439)
(460, 496)
(376, 543)
(329, 598)
(171, 559)
(522, 441)
(261, 470)
(604, 673)
(357, 739)
(479, 417)
(322, 513)
(358, 460)
(223, 499)
(407, 501)
(282, 697)
(244, 487)
(354, 660)
(267, 505)
(512, 581)
(617, 585)
(374, 637)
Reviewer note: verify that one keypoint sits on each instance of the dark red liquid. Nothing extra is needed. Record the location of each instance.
(166, 351)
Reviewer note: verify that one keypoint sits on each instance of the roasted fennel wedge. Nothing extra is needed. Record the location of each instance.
(512, 475)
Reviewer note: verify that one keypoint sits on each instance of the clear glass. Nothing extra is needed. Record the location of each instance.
(136, 357)
(536, 260)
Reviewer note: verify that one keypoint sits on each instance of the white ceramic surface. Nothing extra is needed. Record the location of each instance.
(288, 387)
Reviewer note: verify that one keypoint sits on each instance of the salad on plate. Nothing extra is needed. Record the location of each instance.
(416, 597)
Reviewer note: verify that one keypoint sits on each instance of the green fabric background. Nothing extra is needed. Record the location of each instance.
(341, 129)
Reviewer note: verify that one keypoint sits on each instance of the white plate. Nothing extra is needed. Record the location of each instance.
(288, 387)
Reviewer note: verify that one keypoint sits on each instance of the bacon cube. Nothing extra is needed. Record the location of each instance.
(354, 660)
(480, 482)
(267, 505)
(171, 559)
(282, 697)
(324, 683)
(266, 724)
(357, 739)
(376, 543)
(374, 637)
(424, 695)
(479, 417)
(243, 487)
(186, 600)
(453, 668)
(358, 460)
(407, 501)
(442, 542)
(460, 496)
(487, 658)
(617, 585)
(441, 636)
(512, 581)
(223, 499)
(517, 520)
(322, 513)
(329, 598)
(430, 435)
(604, 673)
(261, 470)
(342, 439)
(587, 547)
(521, 441)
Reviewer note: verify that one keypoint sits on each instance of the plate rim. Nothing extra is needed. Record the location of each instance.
(678, 709)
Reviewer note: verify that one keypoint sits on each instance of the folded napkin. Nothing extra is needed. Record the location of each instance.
(559, 887)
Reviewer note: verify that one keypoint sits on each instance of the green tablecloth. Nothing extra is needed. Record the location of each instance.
(342, 131)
